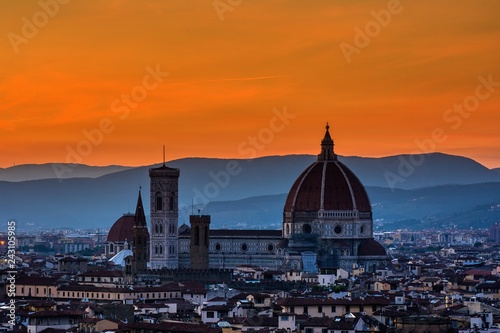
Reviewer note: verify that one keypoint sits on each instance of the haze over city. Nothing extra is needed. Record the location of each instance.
(115, 80)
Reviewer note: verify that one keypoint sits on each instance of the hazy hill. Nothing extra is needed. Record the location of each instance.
(24, 172)
(100, 201)
(463, 205)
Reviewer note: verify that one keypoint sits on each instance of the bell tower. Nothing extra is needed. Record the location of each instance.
(141, 239)
(164, 193)
(199, 246)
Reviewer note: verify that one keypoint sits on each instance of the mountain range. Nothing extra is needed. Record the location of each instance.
(405, 190)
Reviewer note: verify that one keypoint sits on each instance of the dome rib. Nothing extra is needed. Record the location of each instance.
(322, 205)
(349, 185)
(299, 184)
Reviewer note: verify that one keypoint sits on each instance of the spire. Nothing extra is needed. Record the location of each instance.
(163, 155)
(327, 153)
(140, 218)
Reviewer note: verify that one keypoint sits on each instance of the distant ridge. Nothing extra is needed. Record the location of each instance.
(100, 201)
(25, 172)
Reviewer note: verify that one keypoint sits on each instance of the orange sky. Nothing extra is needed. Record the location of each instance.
(228, 71)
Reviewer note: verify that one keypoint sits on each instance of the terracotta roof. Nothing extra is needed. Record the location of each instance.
(122, 229)
(171, 327)
(298, 301)
(36, 281)
(102, 273)
(371, 247)
(331, 183)
(50, 313)
(244, 233)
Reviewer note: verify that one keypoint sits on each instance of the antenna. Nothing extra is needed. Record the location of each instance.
(163, 155)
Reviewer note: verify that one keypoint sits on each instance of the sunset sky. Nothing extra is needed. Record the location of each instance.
(86, 81)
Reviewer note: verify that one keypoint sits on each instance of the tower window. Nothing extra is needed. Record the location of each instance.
(197, 235)
(244, 247)
(159, 201)
(206, 236)
(171, 201)
(307, 229)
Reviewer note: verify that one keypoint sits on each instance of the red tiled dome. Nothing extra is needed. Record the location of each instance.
(371, 247)
(327, 185)
(122, 229)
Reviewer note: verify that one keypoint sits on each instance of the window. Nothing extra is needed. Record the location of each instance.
(306, 310)
(333, 309)
(309, 330)
(159, 201)
(206, 236)
(320, 309)
(244, 247)
(171, 201)
(111, 248)
(292, 309)
(210, 314)
(284, 318)
(196, 235)
(347, 308)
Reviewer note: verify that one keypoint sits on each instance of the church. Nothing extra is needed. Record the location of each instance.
(327, 224)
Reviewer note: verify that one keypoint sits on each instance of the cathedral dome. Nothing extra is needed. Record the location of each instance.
(327, 185)
(371, 247)
(122, 229)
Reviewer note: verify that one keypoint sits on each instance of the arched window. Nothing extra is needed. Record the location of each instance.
(197, 235)
(111, 248)
(156, 228)
(171, 201)
(159, 201)
(161, 228)
(287, 229)
(161, 249)
(156, 249)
